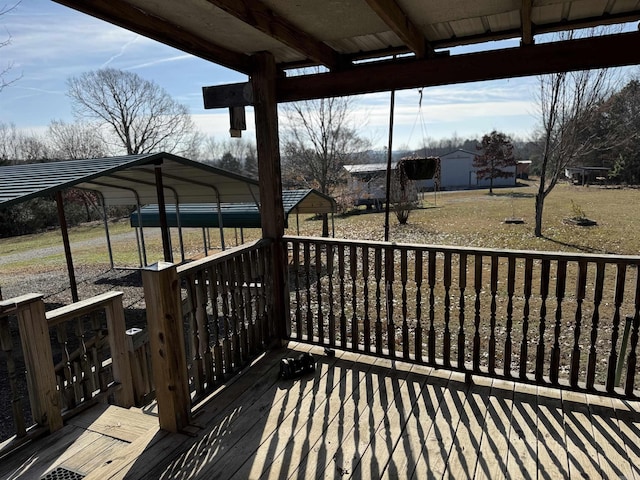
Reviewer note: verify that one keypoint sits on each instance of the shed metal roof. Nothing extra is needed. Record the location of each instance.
(238, 215)
(127, 180)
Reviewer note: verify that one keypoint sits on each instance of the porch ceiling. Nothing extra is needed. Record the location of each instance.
(336, 34)
(127, 180)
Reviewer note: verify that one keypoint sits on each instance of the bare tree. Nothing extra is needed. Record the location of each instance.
(5, 81)
(568, 105)
(320, 138)
(495, 158)
(75, 140)
(140, 115)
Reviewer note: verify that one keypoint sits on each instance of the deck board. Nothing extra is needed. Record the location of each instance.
(356, 417)
(494, 446)
(552, 447)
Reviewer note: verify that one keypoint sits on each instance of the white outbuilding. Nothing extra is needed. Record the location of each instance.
(457, 172)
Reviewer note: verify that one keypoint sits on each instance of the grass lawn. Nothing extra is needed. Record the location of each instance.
(472, 218)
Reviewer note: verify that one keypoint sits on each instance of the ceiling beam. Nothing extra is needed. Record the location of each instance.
(393, 15)
(262, 18)
(525, 21)
(124, 15)
(580, 54)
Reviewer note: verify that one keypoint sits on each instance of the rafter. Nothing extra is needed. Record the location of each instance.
(525, 20)
(260, 17)
(393, 15)
(124, 15)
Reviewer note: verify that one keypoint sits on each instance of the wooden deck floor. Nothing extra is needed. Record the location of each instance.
(357, 417)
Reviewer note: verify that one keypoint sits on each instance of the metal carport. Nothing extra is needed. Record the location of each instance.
(127, 180)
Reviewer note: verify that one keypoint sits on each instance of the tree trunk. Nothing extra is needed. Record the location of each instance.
(540, 196)
(325, 225)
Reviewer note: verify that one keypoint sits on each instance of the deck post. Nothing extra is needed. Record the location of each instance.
(38, 359)
(272, 210)
(119, 353)
(166, 341)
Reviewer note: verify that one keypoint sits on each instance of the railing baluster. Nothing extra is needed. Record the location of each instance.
(431, 279)
(446, 341)
(524, 346)
(307, 275)
(595, 321)
(248, 302)
(65, 379)
(320, 316)
(492, 318)
(632, 359)
(508, 343)
(6, 343)
(85, 366)
(462, 285)
(296, 273)
(418, 279)
(613, 354)
(235, 330)
(378, 276)
(405, 325)
(343, 316)
(581, 286)
(544, 293)
(477, 284)
(218, 370)
(223, 277)
(241, 308)
(332, 317)
(561, 281)
(197, 318)
(365, 293)
(353, 270)
(389, 265)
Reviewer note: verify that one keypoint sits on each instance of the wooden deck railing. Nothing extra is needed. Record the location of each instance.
(550, 318)
(226, 308)
(208, 318)
(72, 355)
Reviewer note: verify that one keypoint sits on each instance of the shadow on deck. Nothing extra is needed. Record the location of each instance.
(356, 417)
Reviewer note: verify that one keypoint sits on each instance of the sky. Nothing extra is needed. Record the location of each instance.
(50, 43)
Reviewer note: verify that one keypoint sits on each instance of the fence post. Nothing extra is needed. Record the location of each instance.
(119, 352)
(38, 358)
(166, 339)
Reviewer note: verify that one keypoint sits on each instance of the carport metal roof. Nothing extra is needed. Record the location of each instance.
(127, 180)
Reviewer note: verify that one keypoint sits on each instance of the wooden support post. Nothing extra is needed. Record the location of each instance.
(38, 359)
(119, 353)
(166, 339)
(272, 210)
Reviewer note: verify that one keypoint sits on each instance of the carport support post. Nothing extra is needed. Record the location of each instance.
(62, 219)
(272, 210)
(162, 213)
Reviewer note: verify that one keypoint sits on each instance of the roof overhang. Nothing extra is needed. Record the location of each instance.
(339, 35)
